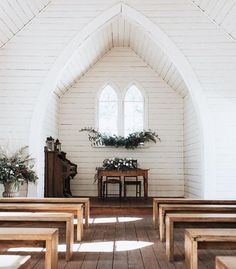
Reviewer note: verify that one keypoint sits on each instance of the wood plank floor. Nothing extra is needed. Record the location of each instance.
(126, 243)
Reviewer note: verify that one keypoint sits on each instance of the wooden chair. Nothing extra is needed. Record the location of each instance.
(183, 208)
(181, 220)
(225, 262)
(15, 262)
(82, 200)
(158, 201)
(137, 183)
(33, 237)
(111, 181)
(39, 218)
(206, 238)
(76, 209)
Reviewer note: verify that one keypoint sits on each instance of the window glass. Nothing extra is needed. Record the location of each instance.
(108, 111)
(133, 111)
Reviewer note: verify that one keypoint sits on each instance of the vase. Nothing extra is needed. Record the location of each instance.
(11, 189)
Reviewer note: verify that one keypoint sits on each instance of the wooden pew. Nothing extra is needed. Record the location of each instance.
(15, 262)
(193, 221)
(158, 201)
(206, 238)
(226, 262)
(85, 201)
(76, 209)
(182, 208)
(24, 217)
(33, 237)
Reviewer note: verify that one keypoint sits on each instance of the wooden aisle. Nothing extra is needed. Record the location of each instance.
(127, 243)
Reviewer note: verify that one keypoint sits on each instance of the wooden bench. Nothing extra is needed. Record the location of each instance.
(15, 262)
(33, 237)
(182, 208)
(225, 262)
(206, 238)
(76, 209)
(24, 217)
(158, 201)
(84, 201)
(193, 220)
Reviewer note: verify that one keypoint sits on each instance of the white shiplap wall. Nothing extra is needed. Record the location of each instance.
(193, 170)
(29, 55)
(165, 115)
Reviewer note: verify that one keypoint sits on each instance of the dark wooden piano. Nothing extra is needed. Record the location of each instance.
(58, 171)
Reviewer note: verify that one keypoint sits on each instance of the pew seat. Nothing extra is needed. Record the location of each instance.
(226, 262)
(158, 201)
(196, 239)
(15, 262)
(195, 220)
(52, 200)
(38, 218)
(183, 208)
(76, 209)
(33, 237)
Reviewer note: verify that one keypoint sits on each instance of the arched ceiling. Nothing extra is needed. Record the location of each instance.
(222, 12)
(120, 33)
(15, 14)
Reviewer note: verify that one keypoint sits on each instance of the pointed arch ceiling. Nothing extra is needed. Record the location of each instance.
(14, 15)
(120, 32)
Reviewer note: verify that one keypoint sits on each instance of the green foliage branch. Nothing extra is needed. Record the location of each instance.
(132, 141)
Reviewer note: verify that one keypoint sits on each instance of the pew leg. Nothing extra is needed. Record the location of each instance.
(161, 225)
(69, 239)
(79, 224)
(51, 255)
(169, 239)
(191, 253)
(87, 213)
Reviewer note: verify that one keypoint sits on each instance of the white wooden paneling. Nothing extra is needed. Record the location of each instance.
(121, 33)
(14, 15)
(223, 13)
(165, 113)
(193, 170)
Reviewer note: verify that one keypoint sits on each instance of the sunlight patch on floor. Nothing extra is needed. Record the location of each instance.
(111, 246)
(113, 220)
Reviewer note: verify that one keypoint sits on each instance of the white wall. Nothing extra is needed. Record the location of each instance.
(165, 113)
(193, 170)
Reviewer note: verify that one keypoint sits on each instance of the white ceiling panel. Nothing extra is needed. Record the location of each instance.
(120, 33)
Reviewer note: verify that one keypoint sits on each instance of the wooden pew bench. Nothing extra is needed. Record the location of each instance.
(226, 262)
(15, 262)
(38, 218)
(158, 201)
(182, 208)
(76, 209)
(206, 238)
(193, 221)
(52, 200)
(33, 237)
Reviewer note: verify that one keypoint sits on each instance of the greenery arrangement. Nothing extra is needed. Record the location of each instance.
(132, 141)
(16, 168)
(120, 164)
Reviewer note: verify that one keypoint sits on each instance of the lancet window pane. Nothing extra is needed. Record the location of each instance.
(133, 111)
(108, 111)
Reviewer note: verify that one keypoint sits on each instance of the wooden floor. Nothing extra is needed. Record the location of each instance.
(126, 243)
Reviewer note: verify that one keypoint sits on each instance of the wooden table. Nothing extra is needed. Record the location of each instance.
(119, 173)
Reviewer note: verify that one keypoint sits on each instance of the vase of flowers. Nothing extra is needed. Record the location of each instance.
(15, 170)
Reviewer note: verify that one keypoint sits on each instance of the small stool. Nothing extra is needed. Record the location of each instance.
(136, 183)
(112, 181)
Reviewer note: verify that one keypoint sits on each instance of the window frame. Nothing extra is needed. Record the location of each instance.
(121, 105)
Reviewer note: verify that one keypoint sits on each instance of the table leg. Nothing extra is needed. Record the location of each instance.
(145, 183)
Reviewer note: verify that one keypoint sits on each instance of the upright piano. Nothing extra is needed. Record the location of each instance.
(58, 172)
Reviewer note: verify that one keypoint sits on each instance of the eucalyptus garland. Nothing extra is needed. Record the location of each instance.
(132, 141)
